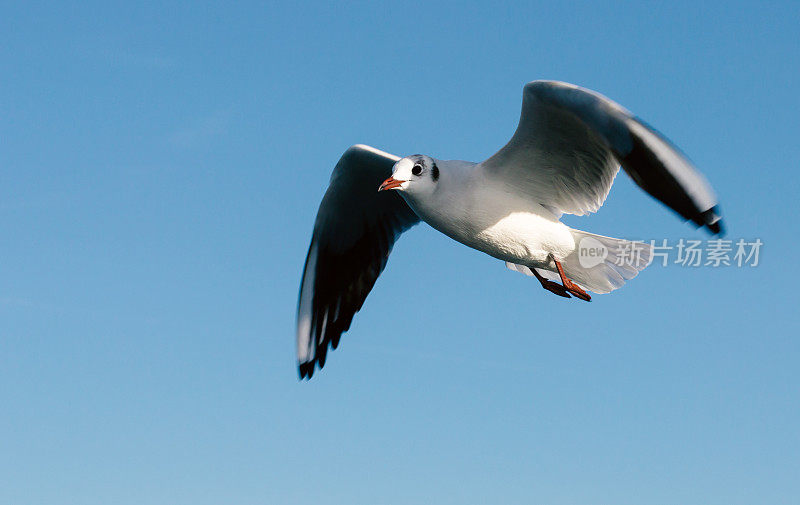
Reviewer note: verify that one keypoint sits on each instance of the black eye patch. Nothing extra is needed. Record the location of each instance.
(435, 173)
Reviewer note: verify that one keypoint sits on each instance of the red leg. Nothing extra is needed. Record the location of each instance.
(551, 286)
(571, 286)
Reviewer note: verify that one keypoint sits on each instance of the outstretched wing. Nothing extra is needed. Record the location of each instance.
(355, 230)
(570, 143)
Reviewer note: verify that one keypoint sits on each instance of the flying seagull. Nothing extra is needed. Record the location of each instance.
(563, 158)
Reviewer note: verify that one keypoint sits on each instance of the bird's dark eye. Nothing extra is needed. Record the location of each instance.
(416, 169)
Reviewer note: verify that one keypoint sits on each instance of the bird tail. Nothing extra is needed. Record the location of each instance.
(599, 264)
(603, 264)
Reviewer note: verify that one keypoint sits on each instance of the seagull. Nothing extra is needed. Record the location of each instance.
(563, 157)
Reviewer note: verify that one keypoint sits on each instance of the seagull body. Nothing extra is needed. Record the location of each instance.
(563, 157)
(471, 208)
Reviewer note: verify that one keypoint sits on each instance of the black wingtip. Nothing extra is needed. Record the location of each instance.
(712, 220)
(306, 370)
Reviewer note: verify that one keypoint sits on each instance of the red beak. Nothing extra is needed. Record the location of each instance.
(390, 183)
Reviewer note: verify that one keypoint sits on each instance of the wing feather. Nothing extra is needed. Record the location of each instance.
(354, 232)
(569, 145)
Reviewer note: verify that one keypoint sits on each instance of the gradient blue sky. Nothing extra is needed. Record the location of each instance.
(160, 170)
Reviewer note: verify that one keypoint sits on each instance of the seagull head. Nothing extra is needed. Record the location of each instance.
(416, 174)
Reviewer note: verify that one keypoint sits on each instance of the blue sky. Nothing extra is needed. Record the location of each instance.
(160, 168)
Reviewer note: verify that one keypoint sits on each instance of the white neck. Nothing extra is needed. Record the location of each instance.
(449, 206)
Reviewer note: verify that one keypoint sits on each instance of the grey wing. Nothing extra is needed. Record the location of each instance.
(570, 143)
(354, 232)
